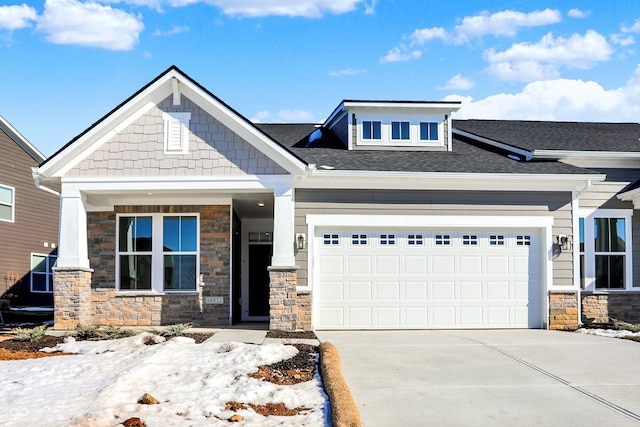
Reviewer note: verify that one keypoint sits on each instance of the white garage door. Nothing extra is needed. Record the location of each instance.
(418, 279)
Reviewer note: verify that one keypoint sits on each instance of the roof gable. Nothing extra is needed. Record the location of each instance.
(20, 140)
(171, 83)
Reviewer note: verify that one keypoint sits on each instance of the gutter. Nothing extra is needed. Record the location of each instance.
(36, 180)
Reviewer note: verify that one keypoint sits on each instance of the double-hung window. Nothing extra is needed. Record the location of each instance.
(158, 252)
(7, 203)
(41, 272)
(605, 250)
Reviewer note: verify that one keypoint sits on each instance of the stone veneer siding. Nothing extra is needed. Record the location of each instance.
(72, 300)
(288, 311)
(563, 310)
(110, 307)
(598, 307)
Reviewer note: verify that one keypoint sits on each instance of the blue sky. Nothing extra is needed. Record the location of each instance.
(66, 63)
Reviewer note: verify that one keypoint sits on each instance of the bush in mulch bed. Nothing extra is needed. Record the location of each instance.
(303, 335)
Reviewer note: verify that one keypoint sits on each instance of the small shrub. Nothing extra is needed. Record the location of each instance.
(111, 333)
(632, 327)
(33, 334)
(176, 330)
(226, 347)
(88, 332)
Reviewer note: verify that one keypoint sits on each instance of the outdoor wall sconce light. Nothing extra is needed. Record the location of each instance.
(301, 241)
(563, 242)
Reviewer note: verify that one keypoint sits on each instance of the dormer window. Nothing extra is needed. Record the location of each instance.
(371, 130)
(428, 131)
(400, 130)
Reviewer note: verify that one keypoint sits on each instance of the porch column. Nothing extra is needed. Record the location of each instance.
(283, 235)
(72, 275)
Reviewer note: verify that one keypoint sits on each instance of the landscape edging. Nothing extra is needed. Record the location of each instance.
(344, 411)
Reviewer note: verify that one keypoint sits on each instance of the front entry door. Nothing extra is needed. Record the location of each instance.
(259, 261)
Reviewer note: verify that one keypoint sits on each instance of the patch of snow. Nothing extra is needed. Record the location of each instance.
(608, 332)
(101, 383)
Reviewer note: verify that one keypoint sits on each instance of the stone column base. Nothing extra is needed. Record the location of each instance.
(72, 297)
(563, 310)
(283, 299)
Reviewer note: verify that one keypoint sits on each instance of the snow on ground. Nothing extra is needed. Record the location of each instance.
(100, 386)
(608, 332)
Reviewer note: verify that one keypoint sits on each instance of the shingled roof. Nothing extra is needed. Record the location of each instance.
(465, 157)
(562, 136)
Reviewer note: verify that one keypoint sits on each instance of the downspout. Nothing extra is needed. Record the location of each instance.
(36, 179)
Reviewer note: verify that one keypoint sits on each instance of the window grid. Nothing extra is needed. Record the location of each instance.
(371, 129)
(469, 240)
(41, 272)
(359, 239)
(496, 240)
(443, 240)
(428, 131)
(415, 239)
(330, 239)
(523, 240)
(388, 239)
(400, 130)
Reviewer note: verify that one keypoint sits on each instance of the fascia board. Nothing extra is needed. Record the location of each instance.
(631, 196)
(445, 181)
(390, 105)
(528, 155)
(245, 130)
(21, 140)
(108, 127)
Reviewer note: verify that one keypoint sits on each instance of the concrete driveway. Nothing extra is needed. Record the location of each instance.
(490, 378)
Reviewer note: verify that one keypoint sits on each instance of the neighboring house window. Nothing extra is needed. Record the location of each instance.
(176, 133)
(605, 250)
(428, 131)
(7, 203)
(400, 130)
(158, 252)
(371, 130)
(41, 273)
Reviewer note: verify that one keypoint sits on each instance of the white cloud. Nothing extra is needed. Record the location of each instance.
(284, 116)
(16, 17)
(635, 28)
(419, 37)
(504, 23)
(577, 13)
(89, 24)
(305, 8)
(370, 8)
(621, 40)
(346, 72)
(171, 32)
(560, 99)
(531, 61)
(458, 82)
(401, 54)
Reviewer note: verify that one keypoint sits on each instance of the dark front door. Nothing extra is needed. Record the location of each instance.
(259, 261)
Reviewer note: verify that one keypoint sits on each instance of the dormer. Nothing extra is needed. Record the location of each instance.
(393, 125)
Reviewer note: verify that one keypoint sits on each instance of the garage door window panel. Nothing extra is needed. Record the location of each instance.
(359, 240)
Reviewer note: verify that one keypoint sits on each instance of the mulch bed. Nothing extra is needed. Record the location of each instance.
(265, 410)
(309, 335)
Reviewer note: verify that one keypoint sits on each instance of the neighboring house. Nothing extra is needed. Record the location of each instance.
(28, 225)
(390, 215)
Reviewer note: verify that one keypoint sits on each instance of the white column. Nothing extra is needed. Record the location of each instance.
(72, 246)
(283, 232)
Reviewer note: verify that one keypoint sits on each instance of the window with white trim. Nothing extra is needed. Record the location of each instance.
(7, 203)
(605, 250)
(359, 239)
(42, 273)
(400, 130)
(176, 132)
(330, 239)
(415, 239)
(523, 240)
(469, 240)
(443, 240)
(371, 129)
(428, 131)
(158, 252)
